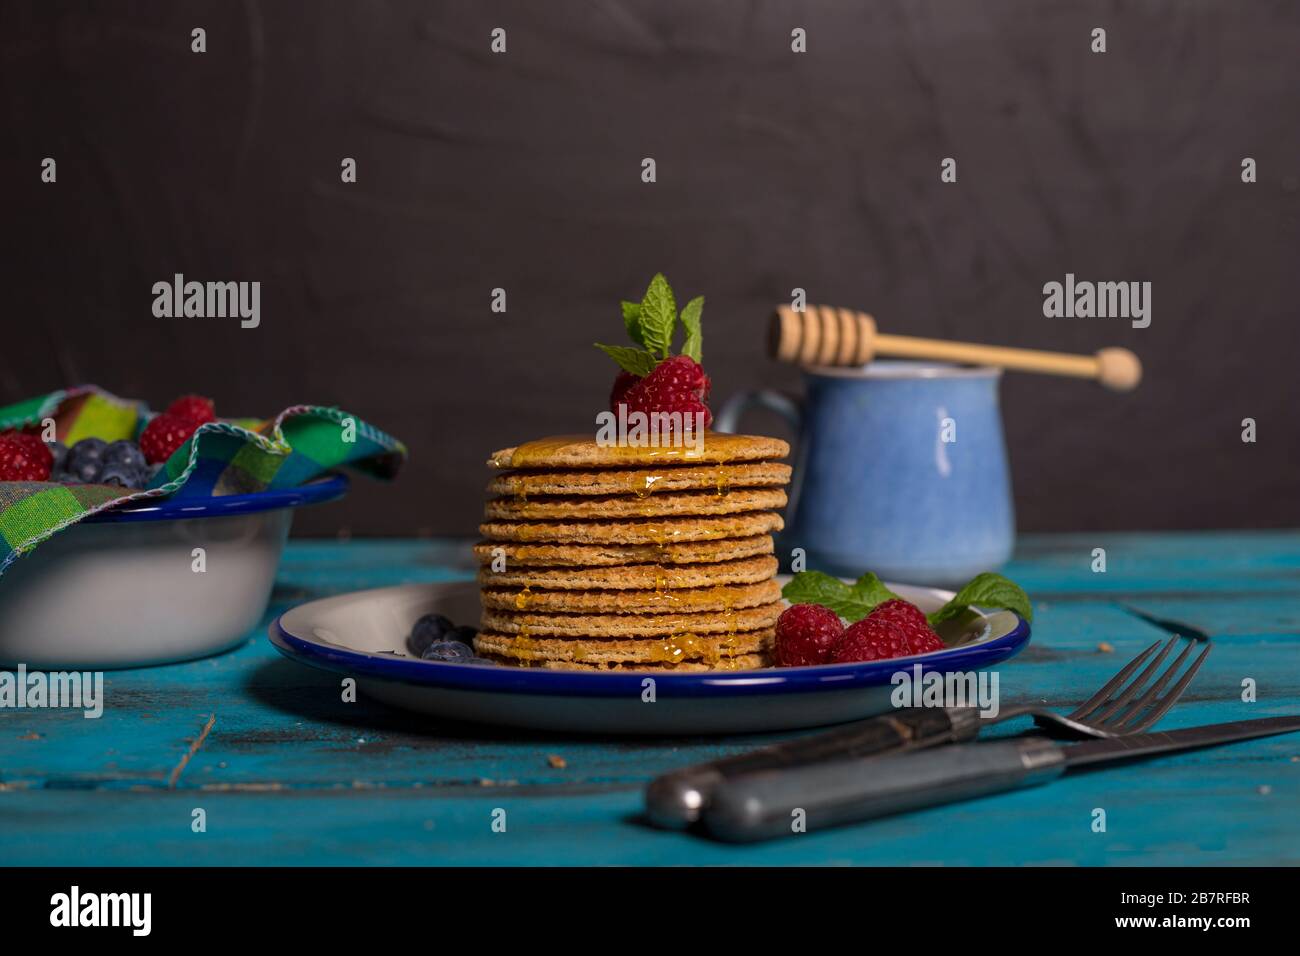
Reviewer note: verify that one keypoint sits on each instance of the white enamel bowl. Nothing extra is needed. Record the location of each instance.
(121, 589)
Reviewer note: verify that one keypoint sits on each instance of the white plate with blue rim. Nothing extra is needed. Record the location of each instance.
(363, 635)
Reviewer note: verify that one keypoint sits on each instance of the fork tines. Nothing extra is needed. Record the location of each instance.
(1139, 705)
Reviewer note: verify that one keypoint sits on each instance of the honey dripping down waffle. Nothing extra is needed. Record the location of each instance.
(600, 554)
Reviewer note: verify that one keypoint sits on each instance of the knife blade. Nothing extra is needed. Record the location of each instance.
(1138, 746)
(764, 805)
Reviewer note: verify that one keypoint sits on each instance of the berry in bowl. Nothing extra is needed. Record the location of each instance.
(152, 538)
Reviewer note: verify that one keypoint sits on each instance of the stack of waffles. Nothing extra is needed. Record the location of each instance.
(631, 558)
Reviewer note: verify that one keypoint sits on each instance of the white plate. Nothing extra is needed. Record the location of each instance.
(363, 635)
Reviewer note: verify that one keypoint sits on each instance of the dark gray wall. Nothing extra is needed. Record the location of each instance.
(775, 170)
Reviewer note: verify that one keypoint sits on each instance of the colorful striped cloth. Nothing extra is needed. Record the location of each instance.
(228, 457)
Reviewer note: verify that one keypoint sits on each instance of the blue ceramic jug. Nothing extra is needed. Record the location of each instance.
(899, 468)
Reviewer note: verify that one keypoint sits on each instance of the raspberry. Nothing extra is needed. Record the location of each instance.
(897, 609)
(892, 629)
(925, 641)
(36, 449)
(193, 408)
(20, 460)
(162, 436)
(677, 384)
(805, 634)
(622, 382)
(870, 640)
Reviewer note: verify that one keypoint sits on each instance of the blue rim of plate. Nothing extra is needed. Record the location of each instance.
(317, 491)
(773, 680)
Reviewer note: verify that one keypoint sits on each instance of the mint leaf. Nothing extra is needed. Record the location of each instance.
(658, 316)
(851, 602)
(986, 590)
(816, 587)
(870, 591)
(636, 361)
(632, 322)
(694, 344)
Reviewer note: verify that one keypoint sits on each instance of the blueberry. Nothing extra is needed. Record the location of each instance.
(85, 459)
(124, 476)
(465, 634)
(88, 449)
(60, 453)
(451, 651)
(86, 472)
(124, 453)
(428, 629)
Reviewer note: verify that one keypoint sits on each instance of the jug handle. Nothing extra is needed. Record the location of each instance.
(789, 407)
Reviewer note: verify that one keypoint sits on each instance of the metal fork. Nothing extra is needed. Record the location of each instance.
(1110, 714)
(676, 799)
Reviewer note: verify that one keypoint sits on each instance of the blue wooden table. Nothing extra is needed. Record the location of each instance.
(287, 773)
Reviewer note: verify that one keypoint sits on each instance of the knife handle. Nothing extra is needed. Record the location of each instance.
(764, 805)
(676, 799)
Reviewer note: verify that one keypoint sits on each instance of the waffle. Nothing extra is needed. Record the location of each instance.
(627, 558)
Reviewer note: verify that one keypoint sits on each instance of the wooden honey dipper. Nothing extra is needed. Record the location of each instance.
(824, 335)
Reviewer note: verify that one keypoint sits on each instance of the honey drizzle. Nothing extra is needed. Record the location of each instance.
(524, 642)
(660, 581)
(683, 646)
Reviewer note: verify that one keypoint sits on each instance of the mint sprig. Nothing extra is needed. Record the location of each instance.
(852, 602)
(658, 316)
(651, 324)
(636, 361)
(986, 590)
(855, 601)
(694, 344)
(631, 322)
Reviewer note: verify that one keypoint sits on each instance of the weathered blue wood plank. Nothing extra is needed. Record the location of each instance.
(1206, 809)
(1257, 563)
(289, 773)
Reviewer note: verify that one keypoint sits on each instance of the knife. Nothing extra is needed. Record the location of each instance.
(763, 805)
(676, 799)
